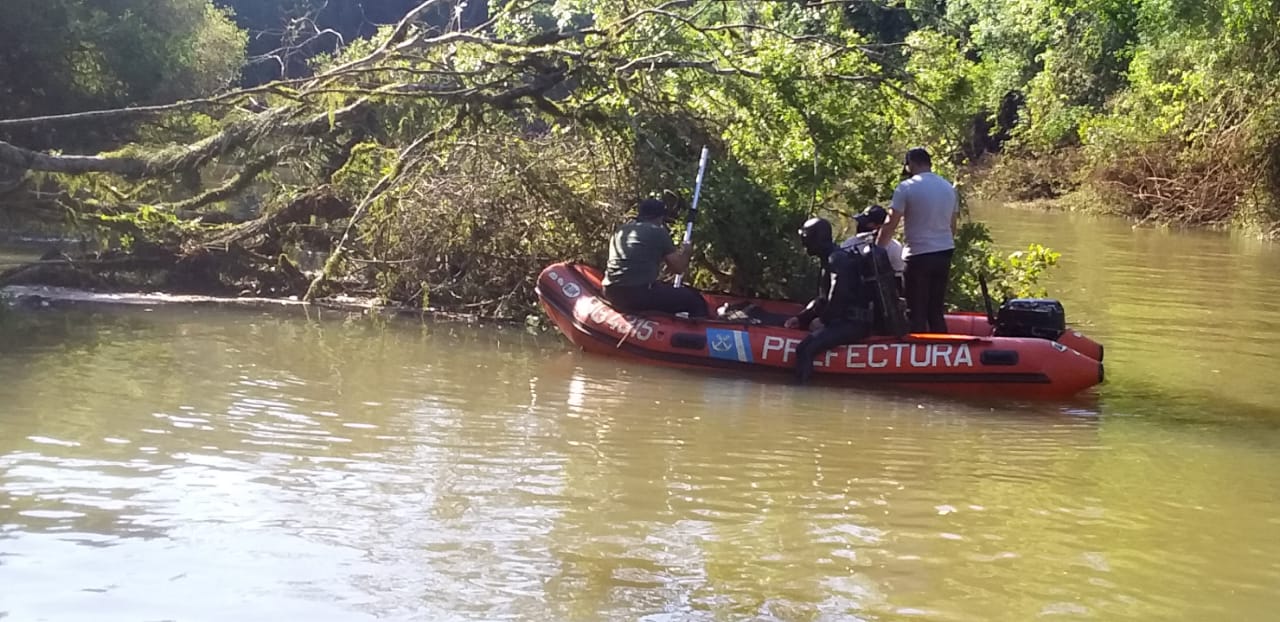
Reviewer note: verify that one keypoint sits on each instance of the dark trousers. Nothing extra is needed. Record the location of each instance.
(656, 297)
(926, 289)
(836, 334)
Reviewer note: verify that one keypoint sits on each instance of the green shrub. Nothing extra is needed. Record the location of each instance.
(1015, 275)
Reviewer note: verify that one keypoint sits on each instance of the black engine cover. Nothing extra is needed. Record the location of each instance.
(1031, 317)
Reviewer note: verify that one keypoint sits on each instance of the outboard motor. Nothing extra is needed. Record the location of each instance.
(1043, 318)
(878, 277)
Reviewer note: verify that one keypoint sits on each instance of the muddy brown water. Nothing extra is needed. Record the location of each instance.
(175, 462)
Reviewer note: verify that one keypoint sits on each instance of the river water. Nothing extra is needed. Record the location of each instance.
(163, 462)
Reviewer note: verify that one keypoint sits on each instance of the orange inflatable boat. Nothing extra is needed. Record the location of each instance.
(958, 323)
(972, 363)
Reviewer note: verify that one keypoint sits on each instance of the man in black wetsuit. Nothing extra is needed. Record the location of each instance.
(842, 313)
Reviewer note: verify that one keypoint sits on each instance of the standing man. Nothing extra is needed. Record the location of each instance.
(637, 252)
(928, 207)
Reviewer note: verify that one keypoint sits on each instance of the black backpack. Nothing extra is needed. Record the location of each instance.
(880, 286)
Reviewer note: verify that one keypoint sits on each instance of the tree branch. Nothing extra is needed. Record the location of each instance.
(407, 160)
(232, 187)
(184, 158)
(225, 100)
(399, 40)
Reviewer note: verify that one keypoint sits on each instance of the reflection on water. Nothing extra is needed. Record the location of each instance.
(13, 254)
(200, 464)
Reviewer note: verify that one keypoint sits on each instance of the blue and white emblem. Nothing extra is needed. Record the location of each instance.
(730, 345)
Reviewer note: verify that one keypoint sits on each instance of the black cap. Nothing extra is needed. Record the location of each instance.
(871, 218)
(651, 209)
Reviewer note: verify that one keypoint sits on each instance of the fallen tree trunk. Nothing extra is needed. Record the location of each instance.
(246, 259)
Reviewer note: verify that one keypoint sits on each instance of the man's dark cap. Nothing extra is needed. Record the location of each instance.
(871, 218)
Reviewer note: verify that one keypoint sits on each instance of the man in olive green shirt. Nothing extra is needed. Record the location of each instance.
(636, 255)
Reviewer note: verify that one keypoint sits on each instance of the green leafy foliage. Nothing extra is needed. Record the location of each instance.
(59, 56)
(1015, 275)
(800, 121)
(473, 159)
(1170, 100)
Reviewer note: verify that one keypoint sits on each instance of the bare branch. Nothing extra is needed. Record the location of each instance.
(183, 158)
(117, 113)
(703, 65)
(26, 160)
(624, 24)
(398, 41)
(224, 100)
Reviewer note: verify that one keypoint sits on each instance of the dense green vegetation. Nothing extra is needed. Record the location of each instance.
(1162, 109)
(59, 56)
(445, 158)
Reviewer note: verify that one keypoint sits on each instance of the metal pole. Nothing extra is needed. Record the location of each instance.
(693, 209)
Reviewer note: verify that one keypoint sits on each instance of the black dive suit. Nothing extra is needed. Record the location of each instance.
(844, 304)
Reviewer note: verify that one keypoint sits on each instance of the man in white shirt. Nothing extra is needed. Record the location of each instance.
(891, 317)
(868, 223)
(928, 207)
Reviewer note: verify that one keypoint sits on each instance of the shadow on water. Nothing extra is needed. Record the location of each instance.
(1188, 405)
(740, 391)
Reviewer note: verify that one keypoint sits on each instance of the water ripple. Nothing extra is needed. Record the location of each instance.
(225, 466)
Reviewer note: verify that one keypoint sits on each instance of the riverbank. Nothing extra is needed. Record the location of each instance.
(1066, 180)
(1041, 179)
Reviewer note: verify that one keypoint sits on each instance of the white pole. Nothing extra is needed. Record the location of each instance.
(693, 209)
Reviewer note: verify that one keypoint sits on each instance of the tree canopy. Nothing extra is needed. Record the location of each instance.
(443, 157)
(59, 56)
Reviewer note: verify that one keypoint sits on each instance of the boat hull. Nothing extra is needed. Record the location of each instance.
(970, 323)
(952, 363)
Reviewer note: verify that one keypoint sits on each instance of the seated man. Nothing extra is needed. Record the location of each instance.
(883, 274)
(841, 313)
(637, 253)
(868, 223)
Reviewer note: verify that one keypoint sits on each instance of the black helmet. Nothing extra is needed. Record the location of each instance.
(815, 235)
